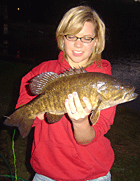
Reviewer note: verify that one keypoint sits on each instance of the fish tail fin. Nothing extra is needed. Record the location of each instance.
(20, 120)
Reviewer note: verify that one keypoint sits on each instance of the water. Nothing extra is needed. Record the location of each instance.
(127, 69)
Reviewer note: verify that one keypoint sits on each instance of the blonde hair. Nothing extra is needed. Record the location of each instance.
(73, 22)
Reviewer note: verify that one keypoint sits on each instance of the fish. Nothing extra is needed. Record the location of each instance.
(52, 89)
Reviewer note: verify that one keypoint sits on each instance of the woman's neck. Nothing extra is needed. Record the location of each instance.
(77, 65)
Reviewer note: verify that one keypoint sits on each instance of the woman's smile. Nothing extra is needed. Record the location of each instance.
(77, 53)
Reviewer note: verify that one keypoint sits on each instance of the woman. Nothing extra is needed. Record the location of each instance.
(73, 149)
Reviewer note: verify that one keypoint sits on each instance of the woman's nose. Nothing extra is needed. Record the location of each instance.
(78, 43)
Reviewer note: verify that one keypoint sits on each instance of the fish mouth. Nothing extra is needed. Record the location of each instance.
(130, 95)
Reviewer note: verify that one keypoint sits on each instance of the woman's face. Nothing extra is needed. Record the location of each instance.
(77, 52)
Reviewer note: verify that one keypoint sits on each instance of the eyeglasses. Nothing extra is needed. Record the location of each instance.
(85, 39)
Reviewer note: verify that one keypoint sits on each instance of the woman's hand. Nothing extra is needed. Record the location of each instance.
(83, 132)
(75, 110)
(41, 116)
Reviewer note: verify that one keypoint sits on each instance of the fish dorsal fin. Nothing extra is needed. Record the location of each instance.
(38, 83)
(73, 71)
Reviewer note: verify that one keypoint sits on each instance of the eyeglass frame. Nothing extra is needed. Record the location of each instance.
(80, 38)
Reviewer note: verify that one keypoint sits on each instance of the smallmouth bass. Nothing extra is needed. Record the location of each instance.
(52, 89)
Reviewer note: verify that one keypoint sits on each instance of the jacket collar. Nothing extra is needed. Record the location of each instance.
(104, 68)
(64, 65)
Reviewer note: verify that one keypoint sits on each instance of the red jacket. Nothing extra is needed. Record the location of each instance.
(55, 152)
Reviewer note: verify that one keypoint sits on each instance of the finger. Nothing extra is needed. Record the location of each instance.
(68, 109)
(67, 106)
(88, 105)
(77, 101)
(71, 103)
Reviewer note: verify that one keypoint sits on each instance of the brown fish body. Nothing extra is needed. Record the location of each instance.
(102, 90)
(56, 93)
(53, 99)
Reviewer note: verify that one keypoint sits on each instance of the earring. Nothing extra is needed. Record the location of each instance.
(62, 46)
(96, 49)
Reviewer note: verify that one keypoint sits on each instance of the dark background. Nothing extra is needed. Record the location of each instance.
(30, 39)
(121, 17)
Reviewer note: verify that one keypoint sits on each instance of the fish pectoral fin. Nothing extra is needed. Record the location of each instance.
(94, 117)
(52, 118)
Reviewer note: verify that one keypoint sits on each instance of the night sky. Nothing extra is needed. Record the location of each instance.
(50, 11)
(121, 17)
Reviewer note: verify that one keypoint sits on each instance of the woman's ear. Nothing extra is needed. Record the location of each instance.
(96, 41)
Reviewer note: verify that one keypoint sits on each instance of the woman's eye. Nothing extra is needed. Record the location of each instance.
(71, 37)
(87, 38)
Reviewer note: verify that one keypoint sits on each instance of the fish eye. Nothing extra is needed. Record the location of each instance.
(121, 87)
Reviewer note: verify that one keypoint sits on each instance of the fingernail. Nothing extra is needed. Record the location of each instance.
(70, 96)
(66, 100)
(84, 98)
(75, 93)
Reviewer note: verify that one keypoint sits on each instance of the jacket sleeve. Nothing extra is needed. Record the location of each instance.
(104, 122)
(106, 117)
